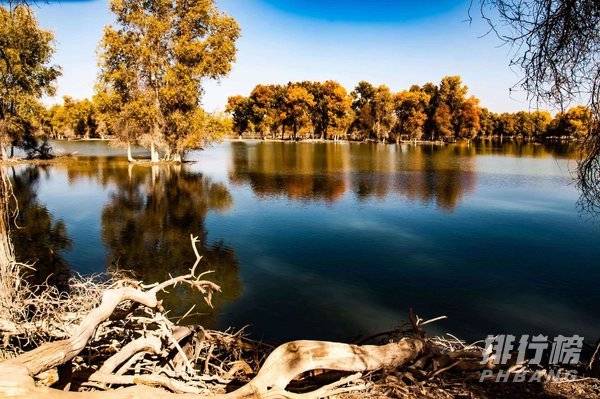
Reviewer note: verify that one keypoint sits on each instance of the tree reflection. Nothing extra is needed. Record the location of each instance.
(103, 171)
(147, 222)
(305, 171)
(567, 150)
(372, 169)
(38, 239)
(326, 171)
(433, 174)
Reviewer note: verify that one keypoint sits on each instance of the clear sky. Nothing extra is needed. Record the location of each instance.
(395, 42)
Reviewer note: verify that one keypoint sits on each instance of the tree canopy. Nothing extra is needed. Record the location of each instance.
(325, 110)
(153, 63)
(25, 76)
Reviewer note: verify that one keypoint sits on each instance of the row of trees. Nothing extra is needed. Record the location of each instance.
(326, 110)
(85, 119)
(74, 119)
(155, 58)
(153, 62)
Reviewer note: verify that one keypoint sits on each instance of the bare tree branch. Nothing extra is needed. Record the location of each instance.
(556, 45)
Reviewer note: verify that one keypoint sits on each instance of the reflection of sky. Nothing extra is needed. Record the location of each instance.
(340, 269)
(398, 43)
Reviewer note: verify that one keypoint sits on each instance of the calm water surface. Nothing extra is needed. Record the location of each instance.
(331, 241)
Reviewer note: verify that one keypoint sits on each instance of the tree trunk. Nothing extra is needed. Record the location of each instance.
(7, 255)
(154, 156)
(3, 154)
(177, 157)
(129, 156)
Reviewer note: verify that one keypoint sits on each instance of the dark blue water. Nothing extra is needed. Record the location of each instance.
(336, 240)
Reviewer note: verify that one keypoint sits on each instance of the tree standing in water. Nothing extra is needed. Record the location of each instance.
(153, 63)
(410, 108)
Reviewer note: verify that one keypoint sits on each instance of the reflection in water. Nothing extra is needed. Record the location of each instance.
(300, 171)
(533, 150)
(145, 226)
(37, 237)
(442, 175)
(333, 240)
(325, 171)
(147, 223)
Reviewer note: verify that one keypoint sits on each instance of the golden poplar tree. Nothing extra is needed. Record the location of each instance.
(410, 108)
(25, 75)
(153, 63)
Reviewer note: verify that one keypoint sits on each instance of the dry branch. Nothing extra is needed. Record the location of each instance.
(159, 338)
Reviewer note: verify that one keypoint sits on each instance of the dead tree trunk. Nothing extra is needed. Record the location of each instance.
(154, 156)
(129, 155)
(6, 249)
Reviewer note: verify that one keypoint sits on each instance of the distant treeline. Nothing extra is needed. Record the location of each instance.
(325, 110)
(76, 119)
(89, 118)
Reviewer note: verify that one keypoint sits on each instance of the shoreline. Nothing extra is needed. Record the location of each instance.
(419, 142)
(494, 139)
(61, 158)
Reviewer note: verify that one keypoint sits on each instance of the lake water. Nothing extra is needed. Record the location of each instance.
(331, 240)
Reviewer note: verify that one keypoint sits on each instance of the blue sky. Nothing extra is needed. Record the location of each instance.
(398, 43)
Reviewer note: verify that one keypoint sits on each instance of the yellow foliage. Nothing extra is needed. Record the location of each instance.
(153, 63)
(25, 54)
